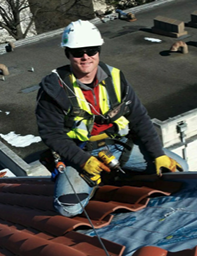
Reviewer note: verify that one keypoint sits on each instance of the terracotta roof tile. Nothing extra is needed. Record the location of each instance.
(2, 174)
(45, 189)
(152, 181)
(30, 226)
(4, 252)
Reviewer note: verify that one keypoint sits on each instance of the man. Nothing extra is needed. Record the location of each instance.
(87, 106)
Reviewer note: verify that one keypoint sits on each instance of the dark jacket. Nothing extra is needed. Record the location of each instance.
(53, 104)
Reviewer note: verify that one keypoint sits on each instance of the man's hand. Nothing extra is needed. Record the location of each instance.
(166, 162)
(93, 166)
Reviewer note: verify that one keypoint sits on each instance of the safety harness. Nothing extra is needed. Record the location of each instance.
(116, 111)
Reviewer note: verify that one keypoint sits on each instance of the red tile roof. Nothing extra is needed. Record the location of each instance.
(2, 174)
(30, 226)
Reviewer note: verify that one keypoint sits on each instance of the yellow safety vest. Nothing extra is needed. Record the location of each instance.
(81, 128)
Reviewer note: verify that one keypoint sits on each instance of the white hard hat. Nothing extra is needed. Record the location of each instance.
(80, 34)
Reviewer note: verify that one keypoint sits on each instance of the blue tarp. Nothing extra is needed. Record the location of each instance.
(168, 222)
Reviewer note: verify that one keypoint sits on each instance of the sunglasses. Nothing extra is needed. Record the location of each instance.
(79, 52)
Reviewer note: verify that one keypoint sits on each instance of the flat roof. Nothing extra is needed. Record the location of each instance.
(164, 81)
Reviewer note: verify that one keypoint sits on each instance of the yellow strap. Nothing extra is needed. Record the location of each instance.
(116, 80)
(83, 104)
(99, 137)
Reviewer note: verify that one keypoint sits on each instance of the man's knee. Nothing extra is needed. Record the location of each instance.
(71, 205)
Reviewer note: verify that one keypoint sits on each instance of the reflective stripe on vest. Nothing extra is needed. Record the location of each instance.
(79, 130)
(121, 122)
(82, 126)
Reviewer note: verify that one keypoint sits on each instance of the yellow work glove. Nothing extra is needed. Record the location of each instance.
(166, 162)
(94, 167)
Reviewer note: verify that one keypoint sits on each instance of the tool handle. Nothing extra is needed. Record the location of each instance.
(87, 177)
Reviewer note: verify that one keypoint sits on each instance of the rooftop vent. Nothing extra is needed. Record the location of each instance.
(169, 27)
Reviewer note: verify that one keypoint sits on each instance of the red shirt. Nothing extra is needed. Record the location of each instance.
(97, 128)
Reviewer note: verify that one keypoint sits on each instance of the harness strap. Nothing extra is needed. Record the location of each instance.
(91, 145)
(64, 73)
(124, 157)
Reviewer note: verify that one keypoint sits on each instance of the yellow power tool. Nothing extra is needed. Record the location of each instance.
(109, 160)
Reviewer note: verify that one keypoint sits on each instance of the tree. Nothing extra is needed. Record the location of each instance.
(18, 17)
(15, 17)
(50, 15)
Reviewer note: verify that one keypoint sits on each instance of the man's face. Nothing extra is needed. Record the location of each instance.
(84, 61)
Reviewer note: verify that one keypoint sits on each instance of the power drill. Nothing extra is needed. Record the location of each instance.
(87, 177)
(110, 160)
(106, 157)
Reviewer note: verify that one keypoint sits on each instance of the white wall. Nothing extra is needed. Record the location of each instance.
(171, 139)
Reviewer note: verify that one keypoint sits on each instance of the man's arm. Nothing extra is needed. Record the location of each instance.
(50, 120)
